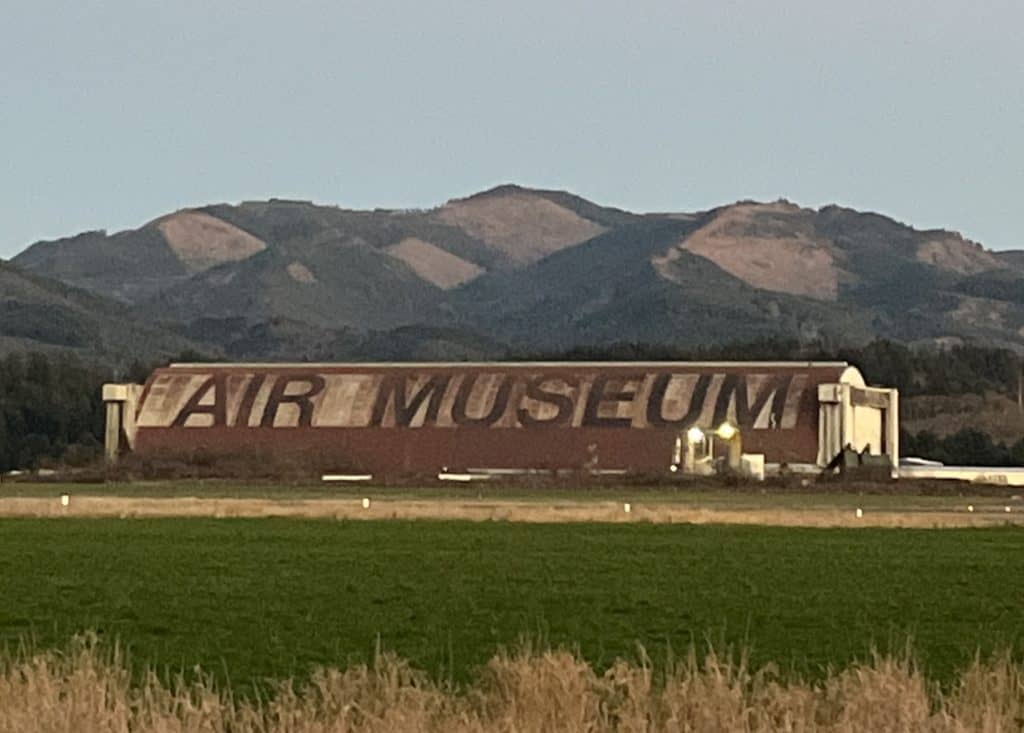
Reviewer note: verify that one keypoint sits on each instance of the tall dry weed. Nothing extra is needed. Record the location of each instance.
(90, 687)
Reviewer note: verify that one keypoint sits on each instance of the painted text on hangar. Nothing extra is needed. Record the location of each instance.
(490, 396)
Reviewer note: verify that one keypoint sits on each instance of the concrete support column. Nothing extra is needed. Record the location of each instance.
(829, 423)
(116, 397)
(892, 430)
(112, 434)
(735, 455)
(847, 424)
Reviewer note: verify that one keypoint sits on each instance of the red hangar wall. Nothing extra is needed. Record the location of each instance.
(407, 419)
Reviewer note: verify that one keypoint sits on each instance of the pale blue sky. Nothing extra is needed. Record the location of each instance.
(112, 113)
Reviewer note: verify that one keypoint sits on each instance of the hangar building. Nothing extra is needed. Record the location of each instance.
(421, 419)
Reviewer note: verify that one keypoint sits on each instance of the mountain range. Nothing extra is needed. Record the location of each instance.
(508, 270)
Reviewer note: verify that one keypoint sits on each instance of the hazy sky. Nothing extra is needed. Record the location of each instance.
(112, 113)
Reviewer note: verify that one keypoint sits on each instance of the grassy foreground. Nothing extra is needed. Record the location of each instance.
(90, 688)
(271, 598)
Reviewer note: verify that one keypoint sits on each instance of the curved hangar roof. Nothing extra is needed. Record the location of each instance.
(395, 418)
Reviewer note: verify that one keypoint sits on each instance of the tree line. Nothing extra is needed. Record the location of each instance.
(966, 447)
(51, 408)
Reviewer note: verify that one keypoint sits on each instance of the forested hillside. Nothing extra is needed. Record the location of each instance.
(518, 268)
(38, 313)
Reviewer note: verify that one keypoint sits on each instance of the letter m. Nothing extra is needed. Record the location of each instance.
(762, 407)
(394, 400)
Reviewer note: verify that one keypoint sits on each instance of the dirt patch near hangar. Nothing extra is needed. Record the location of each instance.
(989, 513)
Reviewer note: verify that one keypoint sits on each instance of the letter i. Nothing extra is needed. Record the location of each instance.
(248, 400)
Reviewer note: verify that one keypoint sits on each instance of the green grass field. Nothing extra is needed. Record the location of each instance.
(254, 599)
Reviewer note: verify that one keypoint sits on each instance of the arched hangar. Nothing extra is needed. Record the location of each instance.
(408, 419)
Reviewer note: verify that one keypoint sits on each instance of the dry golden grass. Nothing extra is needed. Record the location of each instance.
(434, 264)
(951, 252)
(202, 241)
(743, 241)
(522, 225)
(539, 511)
(89, 689)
